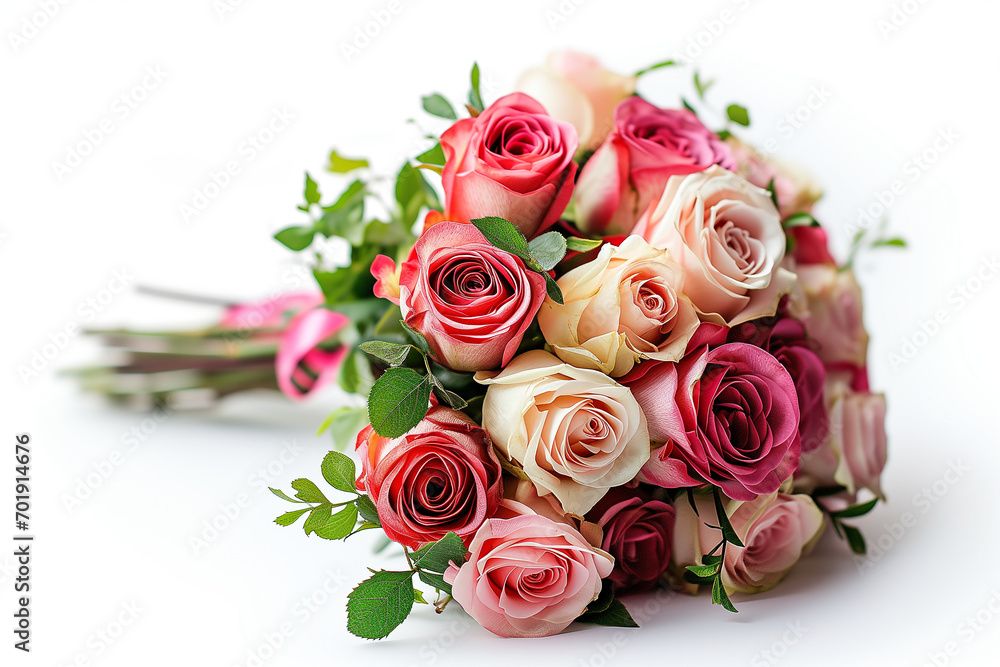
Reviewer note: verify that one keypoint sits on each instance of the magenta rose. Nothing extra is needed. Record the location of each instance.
(513, 161)
(527, 575)
(638, 532)
(785, 339)
(727, 416)
(647, 146)
(470, 300)
(441, 476)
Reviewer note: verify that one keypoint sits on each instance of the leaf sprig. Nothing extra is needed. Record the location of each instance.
(710, 572)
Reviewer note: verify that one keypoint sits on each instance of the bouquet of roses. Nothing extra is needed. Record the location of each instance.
(616, 354)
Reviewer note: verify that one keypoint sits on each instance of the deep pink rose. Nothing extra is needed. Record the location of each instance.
(638, 532)
(441, 476)
(527, 575)
(785, 339)
(308, 356)
(513, 161)
(728, 416)
(472, 301)
(810, 246)
(647, 146)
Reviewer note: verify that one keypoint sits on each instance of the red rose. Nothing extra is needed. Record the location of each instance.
(513, 161)
(441, 476)
(727, 416)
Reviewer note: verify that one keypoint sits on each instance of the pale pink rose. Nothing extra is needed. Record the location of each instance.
(854, 451)
(796, 192)
(647, 146)
(574, 431)
(625, 306)
(575, 88)
(833, 314)
(527, 576)
(273, 313)
(513, 161)
(727, 235)
(776, 530)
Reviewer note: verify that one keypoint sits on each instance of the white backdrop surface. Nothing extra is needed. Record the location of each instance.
(896, 103)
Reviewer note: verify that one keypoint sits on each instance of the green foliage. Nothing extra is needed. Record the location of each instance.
(738, 115)
(379, 604)
(505, 236)
(342, 165)
(398, 401)
(436, 105)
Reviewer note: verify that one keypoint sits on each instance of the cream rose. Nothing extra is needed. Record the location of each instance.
(623, 307)
(574, 431)
(727, 235)
(776, 530)
(832, 313)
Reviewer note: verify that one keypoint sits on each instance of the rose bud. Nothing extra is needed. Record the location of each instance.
(441, 476)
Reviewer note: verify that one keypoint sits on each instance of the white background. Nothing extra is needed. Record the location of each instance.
(891, 94)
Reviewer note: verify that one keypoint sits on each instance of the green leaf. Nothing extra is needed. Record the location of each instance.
(615, 616)
(453, 400)
(356, 375)
(435, 580)
(281, 494)
(702, 86)
(604, 598)
(289, 518)
(342, 165)
(738, 115)
(308, 492)
(417, 337)
(687, 105)
(475, 99)
(727, 528)
(552, 289)
(296, 238)
(548, 249)
(339, 472)
(719, 596)
(800, 220)
(856, 510)
(504, 235)
(660, 65)
(366, 508)
(379, 604)
(318, 517)
(855, 539)
(723, 134)
(418, 597)
(398, 401)
(393, 354)
(433, 156)
(344, 424)
(577, 244)
(413, 192)
(890, 243)
(311, 193)
(436, 105)
(774, 194)
(437, 556)
(704, 571)
(340, 525)
(345, 217)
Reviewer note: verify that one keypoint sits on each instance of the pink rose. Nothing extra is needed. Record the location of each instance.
(796, 192)
(776, 530)
(628, 171)
(308, 356)
(637, 532)
(726, 234)
(623, 307)
(513, 161)
(472, 301)
(575, 88)
(528, 576)
(441, 476)
(271, 313)
(727, 416)
(833, 314)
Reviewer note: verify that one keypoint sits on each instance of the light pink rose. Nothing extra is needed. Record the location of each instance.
(795, 191)
(625, 306)
(574, 431)
(528, 576)
(575, 88)
(308, 356)
(513, 161)
(833, 314)
(776, 529)
(471, 301)
(629, 170)
(271, 313)
(726, 234)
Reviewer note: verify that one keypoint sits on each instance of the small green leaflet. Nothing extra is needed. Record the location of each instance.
(308, 492)
(475, 99)
(331, 526)
(398, 401)
(774, 194)
(549, 249)
(311, 192)
(702, 86)
(296, 238)
(738, 115)
(727, 528)
(379, 604)
(616, 616)
(855, 539)
(289, 518)
(437, 556)
(889, 243)
(433, 156)
(342, 165)
(647, 70)
(339, 472)
(367, 510)
(435, 580)
(687, 105)
(577, 244)
(436, 105)
(801, 219)
(393, 354)
(344, 424)
(856, 510)
(417, 337)
(504, 235)
(719, 595)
